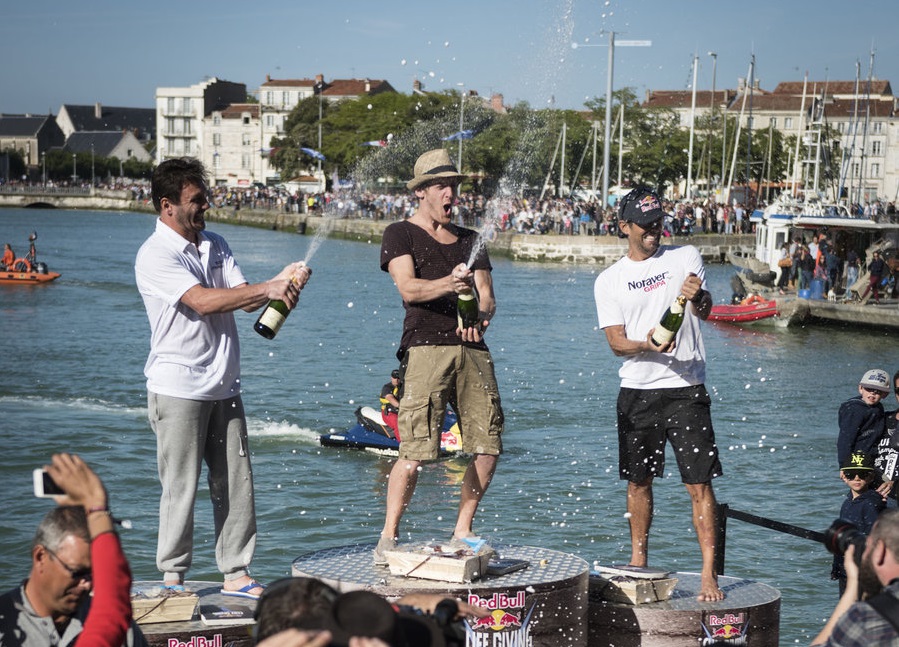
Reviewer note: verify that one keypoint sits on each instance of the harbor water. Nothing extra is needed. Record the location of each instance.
(72, 361)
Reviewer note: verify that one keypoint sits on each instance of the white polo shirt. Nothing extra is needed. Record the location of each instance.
(191, 356)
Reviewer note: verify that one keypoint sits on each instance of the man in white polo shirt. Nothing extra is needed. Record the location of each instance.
(191, 285)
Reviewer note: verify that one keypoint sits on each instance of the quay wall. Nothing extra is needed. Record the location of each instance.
(591, 250)
(67, 198)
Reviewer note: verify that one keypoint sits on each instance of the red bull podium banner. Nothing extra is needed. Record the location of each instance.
(542, 605)
(748, 617)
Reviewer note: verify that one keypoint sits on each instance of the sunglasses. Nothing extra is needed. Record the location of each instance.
(874, 391)
(851, 475)
(77, 574)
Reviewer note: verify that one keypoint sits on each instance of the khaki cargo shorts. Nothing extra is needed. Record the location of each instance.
(436, 376)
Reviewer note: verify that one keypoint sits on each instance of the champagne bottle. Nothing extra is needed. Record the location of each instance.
(468, 310)
(273, 316)
(670, 323)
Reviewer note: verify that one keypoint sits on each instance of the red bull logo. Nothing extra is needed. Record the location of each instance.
(197, 641)
(648, 203)
(497, 600)
(727, 629)
(497, 620)
(506, 626)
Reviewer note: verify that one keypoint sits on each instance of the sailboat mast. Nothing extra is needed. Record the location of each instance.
(689, 191)
(749, 123)
(797, 168)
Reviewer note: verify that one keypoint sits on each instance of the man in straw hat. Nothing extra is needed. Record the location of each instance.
(432, 261)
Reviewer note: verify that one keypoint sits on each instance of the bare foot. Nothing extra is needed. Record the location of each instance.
(709, 590)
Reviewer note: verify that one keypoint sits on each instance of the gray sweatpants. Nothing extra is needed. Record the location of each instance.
(188, 433)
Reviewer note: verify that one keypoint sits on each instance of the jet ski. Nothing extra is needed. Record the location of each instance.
(372, 434)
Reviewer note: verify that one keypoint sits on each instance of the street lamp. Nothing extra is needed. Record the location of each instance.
(320, 87)
(44, 168)
(461, 118)
(608, 129)
(92, 167)
(74, 171)
(608, 124)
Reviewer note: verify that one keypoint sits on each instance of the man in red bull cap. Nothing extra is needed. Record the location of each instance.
(662, 397)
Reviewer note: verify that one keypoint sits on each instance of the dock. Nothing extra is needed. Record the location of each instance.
(794, 311)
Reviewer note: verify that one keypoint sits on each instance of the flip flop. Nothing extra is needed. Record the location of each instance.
(177, 588)
(245, 591)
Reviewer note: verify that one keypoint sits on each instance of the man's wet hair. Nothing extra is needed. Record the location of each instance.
(170, 178)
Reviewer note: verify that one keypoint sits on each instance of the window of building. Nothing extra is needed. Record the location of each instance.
(856, 169)
(270, 97)
(875, 170)
(187, 105)
(773, 122)
(877, 127)
(840, 126)
(788, 122)
(246, 139)
(187, 130)
(216, 119)
(877, 148)
(270, 121)
(246, 120)
(245, 160)
(216, 139)
(170, 105)
(170, 126)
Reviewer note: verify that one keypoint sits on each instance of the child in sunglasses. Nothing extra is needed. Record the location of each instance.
(861, 506)
(862, 418)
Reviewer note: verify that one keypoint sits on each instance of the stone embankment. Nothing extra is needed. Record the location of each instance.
(593, 250)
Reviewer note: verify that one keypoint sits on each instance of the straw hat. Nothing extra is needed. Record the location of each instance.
(431, 166)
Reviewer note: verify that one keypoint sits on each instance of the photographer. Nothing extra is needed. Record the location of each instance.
(74, 551)
(875, 620)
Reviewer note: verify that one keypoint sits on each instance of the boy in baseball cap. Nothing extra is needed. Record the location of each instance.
(861, 418)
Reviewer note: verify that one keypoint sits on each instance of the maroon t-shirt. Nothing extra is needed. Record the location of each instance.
(432, 323)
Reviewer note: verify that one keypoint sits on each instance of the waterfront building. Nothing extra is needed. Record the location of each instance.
(232, 145)
(181, 112)
(122, 145)
(861, 115)
(30, 135)
(141, 122)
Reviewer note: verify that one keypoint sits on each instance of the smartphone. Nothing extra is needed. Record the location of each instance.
(505, 566)
(44, 486)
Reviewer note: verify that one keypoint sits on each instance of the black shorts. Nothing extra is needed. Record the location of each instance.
(649, 418)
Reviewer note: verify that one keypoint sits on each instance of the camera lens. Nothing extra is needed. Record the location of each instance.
(841, 535)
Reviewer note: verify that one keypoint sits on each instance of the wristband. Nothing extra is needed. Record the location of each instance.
(104, 509)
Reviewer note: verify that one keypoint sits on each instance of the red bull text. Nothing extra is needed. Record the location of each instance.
(726, 629)
(504, 627)
(197, 641)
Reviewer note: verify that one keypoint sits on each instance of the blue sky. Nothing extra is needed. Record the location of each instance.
(117, 52)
